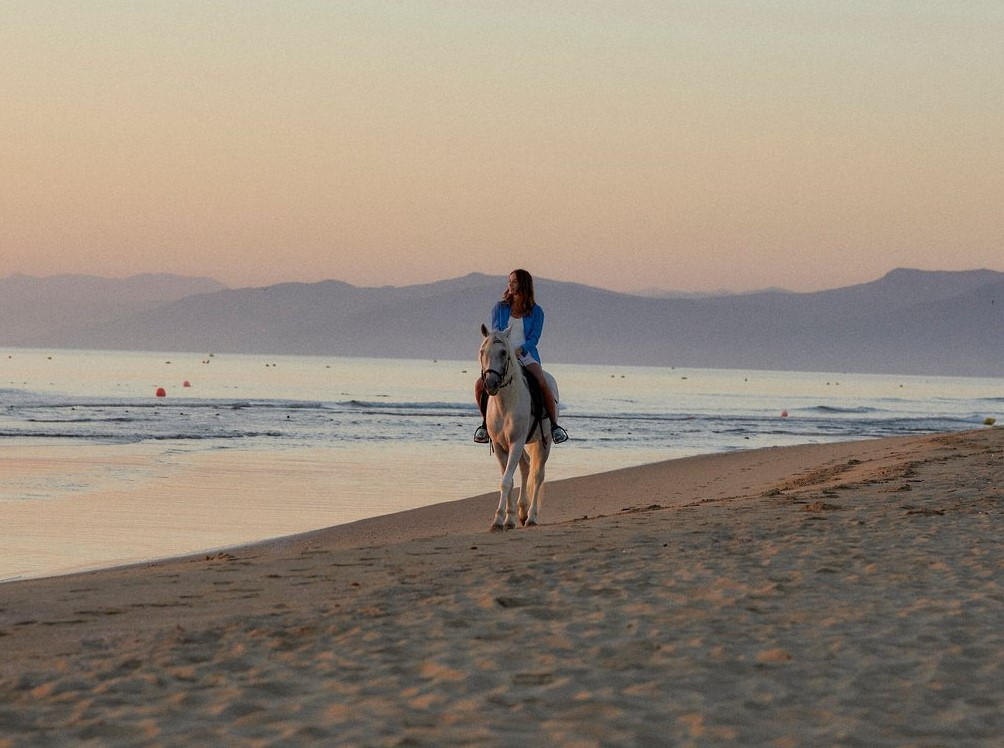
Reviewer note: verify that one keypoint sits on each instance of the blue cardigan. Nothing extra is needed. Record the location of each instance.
(533, 325)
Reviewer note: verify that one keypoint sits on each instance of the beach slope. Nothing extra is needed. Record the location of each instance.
(829, 594)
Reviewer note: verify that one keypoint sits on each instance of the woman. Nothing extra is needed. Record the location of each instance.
(518, 305)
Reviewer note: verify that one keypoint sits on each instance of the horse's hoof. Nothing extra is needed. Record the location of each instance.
(495, 528)
(530, 523)
(509, 526)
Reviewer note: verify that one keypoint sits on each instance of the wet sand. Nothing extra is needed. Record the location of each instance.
(842, 594)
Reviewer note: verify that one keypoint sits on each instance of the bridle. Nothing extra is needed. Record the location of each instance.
(502, 375)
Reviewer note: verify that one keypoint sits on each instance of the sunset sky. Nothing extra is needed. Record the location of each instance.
(699, 145)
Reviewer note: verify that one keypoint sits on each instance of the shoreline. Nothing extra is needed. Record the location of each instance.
(391, 526)
(96, 508)
(846, 592)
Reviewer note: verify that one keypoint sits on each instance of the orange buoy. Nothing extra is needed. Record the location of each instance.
(161, 392)
(784, 414)
(186, 383)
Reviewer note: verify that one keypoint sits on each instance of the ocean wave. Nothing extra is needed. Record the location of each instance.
(166, 405)
(848, 410)
(135, 437)
(371, 405)
(114, 419)
(187, 436)
(144, 405)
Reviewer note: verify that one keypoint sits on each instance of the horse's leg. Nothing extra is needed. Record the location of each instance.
(505, 515)
(538, 459)
(503, 457)
(508, 483)
(524, 491)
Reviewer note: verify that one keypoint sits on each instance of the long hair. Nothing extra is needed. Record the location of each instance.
(524, 282)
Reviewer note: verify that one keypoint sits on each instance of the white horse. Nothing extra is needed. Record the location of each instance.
(518, 437)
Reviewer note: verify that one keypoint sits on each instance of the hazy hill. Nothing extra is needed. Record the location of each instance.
(32, 308)
(909, 321)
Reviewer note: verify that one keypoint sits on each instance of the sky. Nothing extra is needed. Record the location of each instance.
(697, 146)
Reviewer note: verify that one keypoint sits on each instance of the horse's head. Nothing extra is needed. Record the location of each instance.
(496, 357)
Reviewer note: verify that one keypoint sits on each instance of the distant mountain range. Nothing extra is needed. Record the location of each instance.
(33, 309)
(907, 322)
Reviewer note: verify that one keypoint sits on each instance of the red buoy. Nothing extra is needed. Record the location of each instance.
(186, 384)
(784, 414)
(161, 392)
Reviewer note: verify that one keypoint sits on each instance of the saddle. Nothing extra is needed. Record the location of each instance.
(537, 410)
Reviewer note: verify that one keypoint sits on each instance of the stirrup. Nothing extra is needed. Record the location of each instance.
(481, 435)
(558, 434)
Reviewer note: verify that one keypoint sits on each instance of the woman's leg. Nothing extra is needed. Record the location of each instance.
(481, 398)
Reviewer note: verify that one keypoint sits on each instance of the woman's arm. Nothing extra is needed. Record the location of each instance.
(532, 330)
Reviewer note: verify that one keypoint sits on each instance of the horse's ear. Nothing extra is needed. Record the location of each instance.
(484, 330)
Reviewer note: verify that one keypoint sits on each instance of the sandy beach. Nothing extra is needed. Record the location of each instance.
(840, 594)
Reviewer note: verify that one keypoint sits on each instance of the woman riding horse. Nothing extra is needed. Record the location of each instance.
(518, 304)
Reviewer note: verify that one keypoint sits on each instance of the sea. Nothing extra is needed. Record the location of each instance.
(113, 457)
